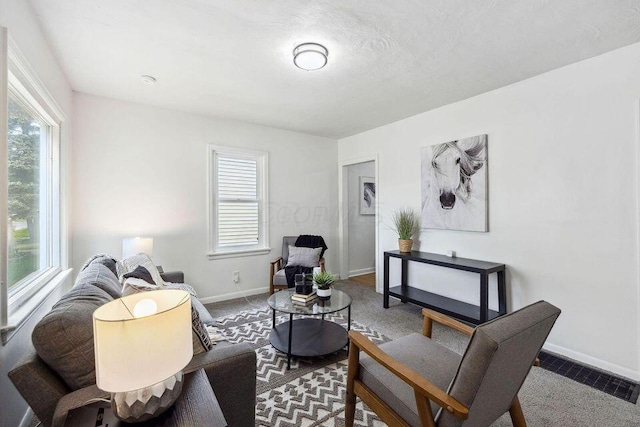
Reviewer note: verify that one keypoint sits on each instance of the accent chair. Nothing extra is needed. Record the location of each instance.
(414, 381)
(277, 278)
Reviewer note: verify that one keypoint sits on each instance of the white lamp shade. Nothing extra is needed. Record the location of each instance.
(137, 352)
(135, 245)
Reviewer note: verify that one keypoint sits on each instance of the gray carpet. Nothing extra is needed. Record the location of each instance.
(547, 399)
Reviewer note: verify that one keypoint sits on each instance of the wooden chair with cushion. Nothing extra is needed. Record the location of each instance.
(414, 381)
(277, 278)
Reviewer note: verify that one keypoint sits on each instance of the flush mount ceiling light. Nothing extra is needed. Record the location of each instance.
(148, 79)
(310, 56)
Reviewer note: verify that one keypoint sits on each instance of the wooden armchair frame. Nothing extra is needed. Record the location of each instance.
(276, 265)
(424, 390)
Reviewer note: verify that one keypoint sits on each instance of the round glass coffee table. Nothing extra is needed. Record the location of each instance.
(309, 336)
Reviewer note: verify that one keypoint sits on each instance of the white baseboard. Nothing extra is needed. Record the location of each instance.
(234, 295)
(593, 361)
(362, 271)
(26, 419)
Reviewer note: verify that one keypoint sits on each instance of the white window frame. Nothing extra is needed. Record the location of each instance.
(49, 200)
(214, 251)
(16, 306)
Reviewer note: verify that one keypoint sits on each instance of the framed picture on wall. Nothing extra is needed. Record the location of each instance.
(367, 195)
(454, 185)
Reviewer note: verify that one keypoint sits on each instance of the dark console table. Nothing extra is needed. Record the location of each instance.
(468, 312)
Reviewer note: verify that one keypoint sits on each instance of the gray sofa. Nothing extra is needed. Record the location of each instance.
(68, 380)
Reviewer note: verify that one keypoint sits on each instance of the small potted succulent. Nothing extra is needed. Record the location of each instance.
(324, 281)
(406, 222)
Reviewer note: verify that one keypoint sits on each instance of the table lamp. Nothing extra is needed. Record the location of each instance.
(142, 342)
(135, 245)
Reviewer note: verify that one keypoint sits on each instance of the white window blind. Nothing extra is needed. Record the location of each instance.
(238, 203)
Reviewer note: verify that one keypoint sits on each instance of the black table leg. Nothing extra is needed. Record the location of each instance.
(290, 335)
(502, 293)
(385, 285)
(273, 320)
(484, 297)
(404, 278)
(349, 318)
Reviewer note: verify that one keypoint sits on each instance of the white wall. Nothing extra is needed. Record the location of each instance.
(361, 228)
(142, 170)
(563, 198)
(17, 16)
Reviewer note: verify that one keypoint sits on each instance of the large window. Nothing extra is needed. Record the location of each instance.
(28, 144)
(238, 202)
(30, 248)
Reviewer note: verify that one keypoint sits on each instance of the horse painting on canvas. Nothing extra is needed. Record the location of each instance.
(454, 185)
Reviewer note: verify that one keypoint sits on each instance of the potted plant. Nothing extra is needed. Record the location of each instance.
(324, 280)
(406, 222)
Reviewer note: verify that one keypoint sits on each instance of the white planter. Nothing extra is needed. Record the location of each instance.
(324, 293)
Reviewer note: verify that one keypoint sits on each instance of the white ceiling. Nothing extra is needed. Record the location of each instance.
(388, 59)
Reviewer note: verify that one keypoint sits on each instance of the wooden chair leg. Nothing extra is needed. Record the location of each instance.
(517, 416)
(271, 273)
(352, 373)
(424, 411)
(427, 327)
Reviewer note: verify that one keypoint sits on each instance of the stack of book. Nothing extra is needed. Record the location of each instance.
(301, 299)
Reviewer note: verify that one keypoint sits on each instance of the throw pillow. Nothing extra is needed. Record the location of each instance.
(127, 265)
(205, 316)
(63, 338)
(101, 277)
(133, 285)
(110, 263)
(200, 336)
(182, 287)
(105, 259)
(140, 273)
(304, 257)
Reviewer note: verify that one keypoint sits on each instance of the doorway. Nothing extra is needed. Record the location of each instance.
(358, 225)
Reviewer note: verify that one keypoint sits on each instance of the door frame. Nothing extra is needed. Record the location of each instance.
(343, 214)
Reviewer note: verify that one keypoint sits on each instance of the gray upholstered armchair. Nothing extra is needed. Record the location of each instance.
(277, 278)
(414, 381)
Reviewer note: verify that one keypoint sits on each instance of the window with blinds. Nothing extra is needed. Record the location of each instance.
(238, 202)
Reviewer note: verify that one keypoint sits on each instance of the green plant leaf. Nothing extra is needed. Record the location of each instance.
(406, 222)
(324, 280)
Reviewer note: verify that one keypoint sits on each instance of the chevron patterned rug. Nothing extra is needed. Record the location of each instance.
(312, 392)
